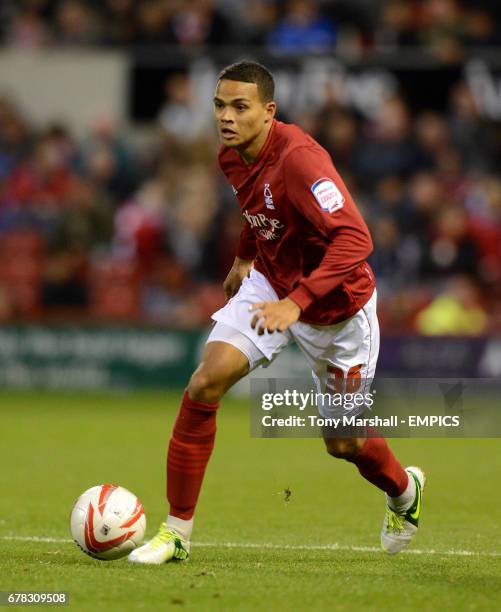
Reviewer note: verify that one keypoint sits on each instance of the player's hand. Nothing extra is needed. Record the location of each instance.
(274, 316)
(239, 270)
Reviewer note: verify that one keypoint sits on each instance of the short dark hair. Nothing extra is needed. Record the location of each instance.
(251, 72)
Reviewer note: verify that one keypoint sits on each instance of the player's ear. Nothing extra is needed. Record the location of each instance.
(271, 109)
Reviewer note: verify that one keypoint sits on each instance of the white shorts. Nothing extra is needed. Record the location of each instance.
(330, 350)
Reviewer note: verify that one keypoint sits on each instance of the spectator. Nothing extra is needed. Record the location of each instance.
(469, 132)
(443, 22)
(338, 132)
(83, 224)
(480, 28)
(457, 311)
(28, 30)
(388, 147)
(182, 119)
(398, 26)
(141, 224)
(15, 137)
(76, 24)
(433, 136)
(193, 216)
(452, 249)
(107, 161)
(199, 22)
(152, 18)
(43, 180)
(121, 28)
(303, 29)
(258, 21)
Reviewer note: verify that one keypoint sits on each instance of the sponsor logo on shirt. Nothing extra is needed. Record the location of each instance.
(327, 195)
(266, 227)
(268, 197)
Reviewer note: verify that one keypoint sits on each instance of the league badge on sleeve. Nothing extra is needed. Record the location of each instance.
(327, 195)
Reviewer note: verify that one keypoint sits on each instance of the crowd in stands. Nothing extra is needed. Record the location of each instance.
(102, 229)
(443, 27)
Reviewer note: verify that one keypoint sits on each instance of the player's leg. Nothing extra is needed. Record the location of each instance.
(221, 366)
(190, 448)
(377, 464)
(228, 356)
(194, 432)
(233, 349)
(352, 347)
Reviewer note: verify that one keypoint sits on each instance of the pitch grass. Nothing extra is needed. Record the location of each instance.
(52, 447)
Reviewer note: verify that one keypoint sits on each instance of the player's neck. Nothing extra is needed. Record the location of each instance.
(251, 152)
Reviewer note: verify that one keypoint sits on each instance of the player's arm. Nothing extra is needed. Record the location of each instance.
(274, 316)
(314, 188)
(328, 207)
(242, 264)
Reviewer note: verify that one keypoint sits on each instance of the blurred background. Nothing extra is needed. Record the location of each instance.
(117, 228)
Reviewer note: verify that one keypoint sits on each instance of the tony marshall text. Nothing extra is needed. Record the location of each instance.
(354, 421)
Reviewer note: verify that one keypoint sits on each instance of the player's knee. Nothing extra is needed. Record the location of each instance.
(205, 387)
(344, 448)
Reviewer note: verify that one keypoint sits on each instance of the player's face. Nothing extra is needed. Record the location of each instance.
(241, 116)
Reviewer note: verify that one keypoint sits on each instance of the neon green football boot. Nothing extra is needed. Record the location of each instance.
(166, 546)
(399, 528)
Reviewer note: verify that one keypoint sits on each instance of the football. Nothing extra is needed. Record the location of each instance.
(107, 522)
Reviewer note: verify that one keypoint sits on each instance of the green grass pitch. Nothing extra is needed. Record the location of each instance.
(252, 550)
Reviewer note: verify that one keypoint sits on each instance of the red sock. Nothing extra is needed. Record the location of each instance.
(378, 465)
(189, 451)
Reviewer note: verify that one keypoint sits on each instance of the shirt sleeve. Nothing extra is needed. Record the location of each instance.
(317, 192)
(247, 248)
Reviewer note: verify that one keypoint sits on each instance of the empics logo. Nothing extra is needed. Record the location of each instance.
(327, 195)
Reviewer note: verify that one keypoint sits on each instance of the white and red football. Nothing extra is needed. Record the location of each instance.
(107, 522)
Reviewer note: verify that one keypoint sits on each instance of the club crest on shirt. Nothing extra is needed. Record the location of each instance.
(268, 197)
(327, 195)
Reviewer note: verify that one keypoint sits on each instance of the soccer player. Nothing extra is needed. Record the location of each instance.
(300, 273)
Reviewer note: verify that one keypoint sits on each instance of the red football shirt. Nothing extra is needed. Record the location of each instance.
(301, 225)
